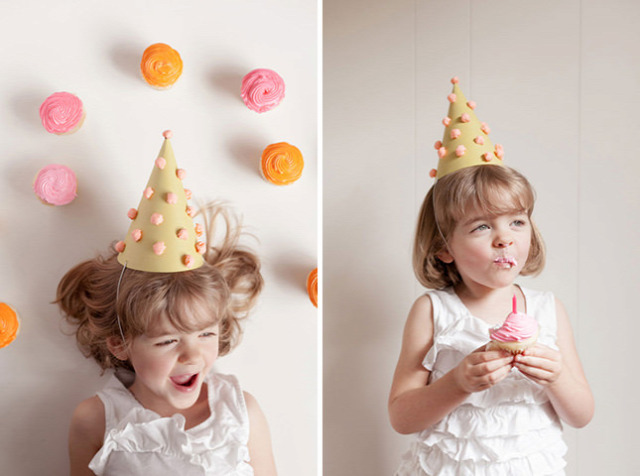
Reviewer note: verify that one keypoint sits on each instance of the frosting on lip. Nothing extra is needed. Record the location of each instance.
(517, 326)
(506, 260)
(61, 112)
(262, 90)
(55, 184)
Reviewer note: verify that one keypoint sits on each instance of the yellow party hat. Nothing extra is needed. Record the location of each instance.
(466, 140)
(162, 237)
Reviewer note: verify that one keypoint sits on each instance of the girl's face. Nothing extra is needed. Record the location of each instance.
(171, 365)
(489, 251)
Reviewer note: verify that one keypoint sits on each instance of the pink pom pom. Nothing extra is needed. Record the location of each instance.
(157, 219)
(438, 144)
(199, 229)
(172, 198)
(148, 192)
(442, 152)
(486, 157)
(455, 80)
(183, 234)
(167, 134)
(465, 117)
(120, 246)
(132, 213)
(460, 150)
(159, 247)
(455, 133)
(485, 128)
(136, 235)
(452, 97)
(181, 173)
(187, 260)
(191, 211)
(446, 121)
(471, 104)
(433, 173)
(200, 247)
(499, 151)
(188, 193)
(161, 163)
(479, 140)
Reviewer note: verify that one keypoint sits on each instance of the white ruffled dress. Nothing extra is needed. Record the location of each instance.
(509, 429)
(138, 441)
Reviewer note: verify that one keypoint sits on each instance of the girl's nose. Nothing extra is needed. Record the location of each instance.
(503, 240)
(188, 353)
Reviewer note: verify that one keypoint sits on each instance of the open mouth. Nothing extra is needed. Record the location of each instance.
(185, 381)
(506, 261)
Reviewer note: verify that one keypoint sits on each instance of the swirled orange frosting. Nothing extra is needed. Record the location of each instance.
(9, 325)
(161, 65)
(312, 286)
(282, 163)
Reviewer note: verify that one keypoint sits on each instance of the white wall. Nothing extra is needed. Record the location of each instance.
(93, 49)
(557, 82)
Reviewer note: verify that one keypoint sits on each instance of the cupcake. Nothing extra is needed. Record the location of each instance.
(62, 113)
(312, 286)
(55, 185)
(9, 325)
(518, 332)
(281, 163)
(262, 90)
(161, 66)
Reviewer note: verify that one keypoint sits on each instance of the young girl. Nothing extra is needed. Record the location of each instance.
(163, 411)
(476, 411)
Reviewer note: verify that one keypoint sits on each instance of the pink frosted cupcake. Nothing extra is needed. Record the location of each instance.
(55, 185)
(518, 332)
(262, 90)
(62, 113)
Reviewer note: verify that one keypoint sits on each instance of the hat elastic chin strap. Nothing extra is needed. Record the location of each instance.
(124, 267)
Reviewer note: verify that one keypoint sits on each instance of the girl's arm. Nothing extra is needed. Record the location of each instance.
(86, 434)
(561, 373)
(415, 405)
(259, 444)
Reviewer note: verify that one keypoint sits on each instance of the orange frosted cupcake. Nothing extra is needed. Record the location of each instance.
(281, 163)
(312, 286)
(9, 325)
(161, 66)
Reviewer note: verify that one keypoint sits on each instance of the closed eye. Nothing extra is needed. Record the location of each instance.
(208, 334)
(166, 342)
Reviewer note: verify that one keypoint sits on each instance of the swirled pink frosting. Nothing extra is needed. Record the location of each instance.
(55, 184)
(517, 327)
(61, 112)
(262, 90)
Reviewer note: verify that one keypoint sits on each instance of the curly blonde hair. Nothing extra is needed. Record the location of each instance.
(226, 286)
(492, 189)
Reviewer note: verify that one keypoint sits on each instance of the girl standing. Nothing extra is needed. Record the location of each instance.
(476, 411)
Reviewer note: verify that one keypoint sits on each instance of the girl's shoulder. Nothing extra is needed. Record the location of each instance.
(86, 432)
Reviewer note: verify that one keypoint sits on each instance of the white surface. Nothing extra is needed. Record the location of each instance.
(557, 83)
(93, 49)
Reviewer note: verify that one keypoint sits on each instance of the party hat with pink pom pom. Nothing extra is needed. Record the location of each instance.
(162, 237)
(466, 140)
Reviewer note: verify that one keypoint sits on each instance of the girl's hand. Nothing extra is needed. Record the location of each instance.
(540, 363)
(482, 369)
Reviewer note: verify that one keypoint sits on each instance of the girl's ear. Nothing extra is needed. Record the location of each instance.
(445, 256)
(117, 347)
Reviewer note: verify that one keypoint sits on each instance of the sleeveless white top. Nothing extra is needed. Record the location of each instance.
(508, 429)
(138, 441)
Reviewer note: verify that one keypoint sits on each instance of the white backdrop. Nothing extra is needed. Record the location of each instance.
(557, 82)
(93, 49)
